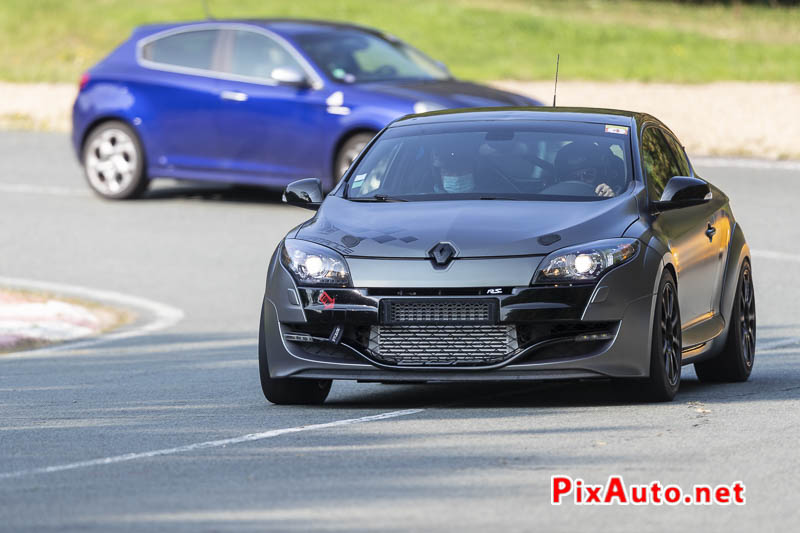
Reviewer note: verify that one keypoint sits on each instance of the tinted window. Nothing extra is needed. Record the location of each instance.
(193, 49)
(518, 160)
(659, 162)
(256, 55)
(680, 154)
(355, 56)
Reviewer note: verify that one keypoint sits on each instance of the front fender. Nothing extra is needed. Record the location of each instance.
(280, 292)
(738, 252)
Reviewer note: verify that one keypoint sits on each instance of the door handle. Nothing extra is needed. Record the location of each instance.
(710, 232)
(236, 96)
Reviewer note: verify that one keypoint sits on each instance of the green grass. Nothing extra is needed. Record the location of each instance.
(55, 40)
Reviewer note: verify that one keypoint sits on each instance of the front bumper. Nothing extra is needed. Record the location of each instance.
(495, 333)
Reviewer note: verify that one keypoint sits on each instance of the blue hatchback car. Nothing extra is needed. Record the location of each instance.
(260, 102)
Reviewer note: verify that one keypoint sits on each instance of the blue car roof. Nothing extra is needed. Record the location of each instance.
(283, 26)
(298, 26)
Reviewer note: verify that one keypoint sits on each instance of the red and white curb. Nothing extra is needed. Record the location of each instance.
(155, 315)
(33, 318)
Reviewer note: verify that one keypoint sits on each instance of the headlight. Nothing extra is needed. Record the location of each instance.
(586, 262)
(312, 264)
(424, 107)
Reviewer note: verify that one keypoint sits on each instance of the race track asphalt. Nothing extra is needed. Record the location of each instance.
(447, 457)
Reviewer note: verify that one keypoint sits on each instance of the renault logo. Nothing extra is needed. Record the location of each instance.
(442, 254)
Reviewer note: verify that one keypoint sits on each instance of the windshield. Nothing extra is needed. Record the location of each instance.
(353, 56)
(514, 160)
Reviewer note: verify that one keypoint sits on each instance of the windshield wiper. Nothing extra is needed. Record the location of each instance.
(378, 198)
(498, 198)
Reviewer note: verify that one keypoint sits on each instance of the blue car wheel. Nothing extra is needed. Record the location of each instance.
(114, 162)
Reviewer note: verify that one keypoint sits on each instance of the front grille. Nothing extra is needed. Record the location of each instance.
(439, 311)
(450, 345)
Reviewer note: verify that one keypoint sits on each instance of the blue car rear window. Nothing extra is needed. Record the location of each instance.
(191, 49)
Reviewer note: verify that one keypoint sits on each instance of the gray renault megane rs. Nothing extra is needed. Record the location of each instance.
(513, 244)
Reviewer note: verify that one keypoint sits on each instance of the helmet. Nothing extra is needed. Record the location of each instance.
(579, 161)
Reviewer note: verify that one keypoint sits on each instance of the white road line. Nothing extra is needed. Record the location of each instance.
(166, 347)
(781, 256)
(205, 445)
(163, 316)
(55, 190)
(786, 350)
(767, 346)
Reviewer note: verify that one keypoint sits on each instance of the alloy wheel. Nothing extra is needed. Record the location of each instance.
(747, 318)
(111, 161)
(670, 334)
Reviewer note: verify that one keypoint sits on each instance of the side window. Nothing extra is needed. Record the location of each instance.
(255, 55)
(192, 49)
(658, 161)
(680, 155)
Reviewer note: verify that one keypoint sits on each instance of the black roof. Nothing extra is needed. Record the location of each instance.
(570, 114)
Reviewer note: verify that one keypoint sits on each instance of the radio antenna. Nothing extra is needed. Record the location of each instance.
(206, 10)
(555, 88)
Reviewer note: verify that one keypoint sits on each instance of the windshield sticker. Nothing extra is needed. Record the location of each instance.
(359, 179)
(620, 130)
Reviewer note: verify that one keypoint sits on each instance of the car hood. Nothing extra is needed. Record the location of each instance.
(449, 93)
(476, 228)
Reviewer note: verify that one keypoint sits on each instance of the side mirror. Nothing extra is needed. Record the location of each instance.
(289, 76)
(305, 193)
(683, 191)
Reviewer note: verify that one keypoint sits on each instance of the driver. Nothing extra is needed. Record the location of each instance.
(582, 161)
(456, 168)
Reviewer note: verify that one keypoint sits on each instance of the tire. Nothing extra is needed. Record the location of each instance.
(666, 348)
(114, 161)
(348, 152)
(287, 391)
(735, 362)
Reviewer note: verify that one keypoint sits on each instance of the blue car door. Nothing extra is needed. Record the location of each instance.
(271, 131)
(182, 94)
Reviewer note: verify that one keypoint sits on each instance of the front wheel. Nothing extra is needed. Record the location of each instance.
(666, 349)
(735, 361)
(114, 162)
(287, 391)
